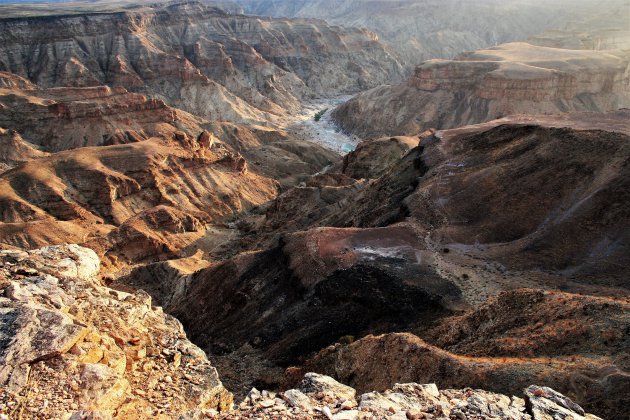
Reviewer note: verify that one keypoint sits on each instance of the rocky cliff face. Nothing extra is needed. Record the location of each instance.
(197, 58)
(487, 84)
(15, 150)
(145, 197)
(504, 344)
(72, 347)
(492, 255)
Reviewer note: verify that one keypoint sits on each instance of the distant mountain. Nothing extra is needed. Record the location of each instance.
(423, 29)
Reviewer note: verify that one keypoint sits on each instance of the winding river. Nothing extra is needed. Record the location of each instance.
(322, 132)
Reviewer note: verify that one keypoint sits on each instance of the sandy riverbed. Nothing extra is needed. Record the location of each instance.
(323, 131)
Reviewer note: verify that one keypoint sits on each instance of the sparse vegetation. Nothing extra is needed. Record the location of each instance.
(320, 114)
(346, 339)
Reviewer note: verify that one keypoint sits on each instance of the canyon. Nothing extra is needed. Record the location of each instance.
(348, 210)
(198, 58)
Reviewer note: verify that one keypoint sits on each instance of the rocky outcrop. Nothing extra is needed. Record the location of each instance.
(197, 58)
(274, 153)
(424, 248)
(474, 190)
(306, 205)
(488, 84)
(537, 323)
(73, 348)
(137, 197)
(13, 81)
(321, 397)
(371, 159)
(314, 288)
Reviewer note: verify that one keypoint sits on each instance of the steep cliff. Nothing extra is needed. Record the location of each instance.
(425, 247)
(14, 150)
(575, 342)
(197, 58)
(487, 84)
(71, 347)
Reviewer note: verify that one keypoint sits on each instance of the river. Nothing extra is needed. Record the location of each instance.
(322, 132)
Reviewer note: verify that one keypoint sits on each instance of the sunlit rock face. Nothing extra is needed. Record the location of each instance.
(75, 346)
(437, 274)
(322, 396)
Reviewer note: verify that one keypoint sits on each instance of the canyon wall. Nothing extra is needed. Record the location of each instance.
(198, 58)
(515, 78)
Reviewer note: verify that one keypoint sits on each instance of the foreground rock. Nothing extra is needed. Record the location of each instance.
(464, 216)
(321, 397)
(15, 150)
(72, 347)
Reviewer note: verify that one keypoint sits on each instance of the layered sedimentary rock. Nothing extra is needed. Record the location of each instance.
(474, 190)
(58, 119)
(140, 197)
(78, 349)
(487, 84)
(314, 288)
(73, 348)
(360, 163)
(275, 153)
(197, 58)
(15, 150)
(404, 262)
(465, 215)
